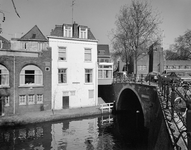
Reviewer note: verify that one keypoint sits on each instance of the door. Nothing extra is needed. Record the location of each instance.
(65, 102)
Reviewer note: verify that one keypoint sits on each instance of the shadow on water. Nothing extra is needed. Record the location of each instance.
(128, 131)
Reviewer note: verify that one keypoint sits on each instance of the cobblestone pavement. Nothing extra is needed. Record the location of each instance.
(49, 115)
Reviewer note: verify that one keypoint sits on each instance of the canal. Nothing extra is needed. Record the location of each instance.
(124, 131)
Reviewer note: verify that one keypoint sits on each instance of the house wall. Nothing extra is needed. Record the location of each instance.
(75, 65)
(15, 64)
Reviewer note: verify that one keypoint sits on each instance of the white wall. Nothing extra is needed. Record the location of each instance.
(75, 65)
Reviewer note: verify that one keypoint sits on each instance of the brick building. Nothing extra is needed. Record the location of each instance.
(25, 74)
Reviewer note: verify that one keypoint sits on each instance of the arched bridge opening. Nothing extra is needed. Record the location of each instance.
(130, 104)
(130, 117)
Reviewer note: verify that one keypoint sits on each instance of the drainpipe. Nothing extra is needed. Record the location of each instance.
(14, 85)
(96, 84)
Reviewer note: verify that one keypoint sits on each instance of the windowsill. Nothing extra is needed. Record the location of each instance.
(89, 83)
(4, 86)
(62, 60)
(30, 85)
(87, 61)
(62, 84)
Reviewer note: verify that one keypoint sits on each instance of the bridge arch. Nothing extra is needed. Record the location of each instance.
(129, 100)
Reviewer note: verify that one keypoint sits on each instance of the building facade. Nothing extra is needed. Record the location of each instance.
(74, 66)
(25, 74)
(105, 66)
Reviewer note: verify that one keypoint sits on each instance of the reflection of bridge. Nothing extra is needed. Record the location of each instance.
(149, 101)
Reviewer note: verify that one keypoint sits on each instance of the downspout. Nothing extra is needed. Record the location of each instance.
(96, 84)
(14, 86)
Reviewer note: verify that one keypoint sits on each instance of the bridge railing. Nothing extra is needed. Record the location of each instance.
(176, 102)
(130, 78)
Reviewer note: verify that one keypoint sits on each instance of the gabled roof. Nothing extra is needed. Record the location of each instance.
(6, 43)
(34, 35)
(103, 50)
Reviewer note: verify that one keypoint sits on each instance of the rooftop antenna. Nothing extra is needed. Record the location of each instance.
(72, 9)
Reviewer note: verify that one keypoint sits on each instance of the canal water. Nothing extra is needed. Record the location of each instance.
(102, 132)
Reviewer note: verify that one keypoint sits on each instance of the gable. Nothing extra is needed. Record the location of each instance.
(34, 35)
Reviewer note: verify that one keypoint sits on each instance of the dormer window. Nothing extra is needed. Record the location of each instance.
(67, 31)
(83, 33)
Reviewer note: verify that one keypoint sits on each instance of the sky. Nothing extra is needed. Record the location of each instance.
(98, 15)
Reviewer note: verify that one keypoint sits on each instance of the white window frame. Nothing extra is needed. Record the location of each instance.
(39, 98)
(91, 94)
(38, 76)
(68, 31)
(83, 33)
(62, 73)
(72, 93)
(88, 75)
(31, 99)
(4, 76)
(87, 54)
(62, 53)
(22, 100)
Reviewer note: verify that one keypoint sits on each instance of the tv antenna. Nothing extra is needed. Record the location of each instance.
(73, 2)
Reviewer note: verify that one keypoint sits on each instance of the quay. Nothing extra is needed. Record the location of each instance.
(49, 115)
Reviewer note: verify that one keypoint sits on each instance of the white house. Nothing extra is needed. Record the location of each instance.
(74, 66)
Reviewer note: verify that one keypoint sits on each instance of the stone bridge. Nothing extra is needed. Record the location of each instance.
(134, 97)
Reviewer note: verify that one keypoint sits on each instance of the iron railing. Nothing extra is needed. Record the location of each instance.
(175, 98)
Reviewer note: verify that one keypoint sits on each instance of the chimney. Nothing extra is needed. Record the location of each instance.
(75, 30)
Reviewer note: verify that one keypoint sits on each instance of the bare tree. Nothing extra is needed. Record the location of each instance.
(182, 46)
(15, 8)
(136, 29)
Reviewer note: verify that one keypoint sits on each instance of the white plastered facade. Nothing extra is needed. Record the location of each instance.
(75, 88)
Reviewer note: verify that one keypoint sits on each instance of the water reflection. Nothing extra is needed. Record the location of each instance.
(123, 131)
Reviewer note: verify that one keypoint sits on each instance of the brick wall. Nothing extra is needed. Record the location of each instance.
(43, 61)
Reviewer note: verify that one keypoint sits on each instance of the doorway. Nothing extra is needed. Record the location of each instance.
(65, 102)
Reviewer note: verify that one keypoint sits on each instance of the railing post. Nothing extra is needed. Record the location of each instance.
(167, 94)
(173, 96)
(188, 125)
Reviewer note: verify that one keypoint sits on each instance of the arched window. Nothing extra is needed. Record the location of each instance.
(31, 75)
(4, 76)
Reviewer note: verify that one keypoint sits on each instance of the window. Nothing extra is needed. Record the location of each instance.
(67, 31)
(31, 75)
(88, 54)
(62, 75)
(91, 93)
(4, 76)
(107, 73)
(61, 53)
(39, 99)
(33, 36)
(31, 99)
(100, 74)
(22, 100)
(6, 100)
(83, 33)
(88, 75)
(72, 93)
(1, 44)
(65, 93)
